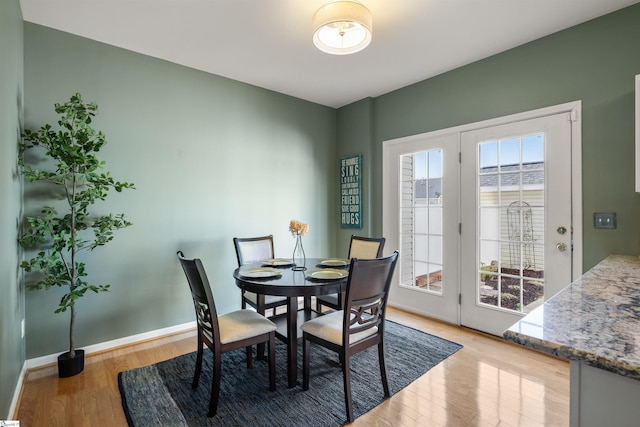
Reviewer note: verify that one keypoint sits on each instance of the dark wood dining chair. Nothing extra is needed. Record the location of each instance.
(359, 326)
(255, 249)
(231, 331)
(359, 247)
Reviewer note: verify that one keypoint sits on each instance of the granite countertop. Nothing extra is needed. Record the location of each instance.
(596, 319)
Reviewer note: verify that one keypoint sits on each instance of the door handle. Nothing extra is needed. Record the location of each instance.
(561, 247)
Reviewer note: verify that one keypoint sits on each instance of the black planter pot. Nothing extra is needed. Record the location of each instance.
(70, 366)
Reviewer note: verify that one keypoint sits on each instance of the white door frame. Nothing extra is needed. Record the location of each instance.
(573, 108)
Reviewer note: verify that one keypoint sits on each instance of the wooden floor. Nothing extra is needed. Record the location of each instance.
(488, 383)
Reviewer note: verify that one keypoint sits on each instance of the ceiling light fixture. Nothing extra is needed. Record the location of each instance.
(342, 27)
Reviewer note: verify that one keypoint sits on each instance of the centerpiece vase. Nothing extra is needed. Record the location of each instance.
(299, 258)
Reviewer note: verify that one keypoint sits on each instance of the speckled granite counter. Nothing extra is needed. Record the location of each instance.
(595, 320)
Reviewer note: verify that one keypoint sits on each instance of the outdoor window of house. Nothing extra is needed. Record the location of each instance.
(421, 220)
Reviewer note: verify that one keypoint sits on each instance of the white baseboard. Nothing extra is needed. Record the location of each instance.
(16, 394)
(53, 358)
(94, 348)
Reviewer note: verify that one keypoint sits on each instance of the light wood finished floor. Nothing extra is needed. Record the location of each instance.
(488, 383)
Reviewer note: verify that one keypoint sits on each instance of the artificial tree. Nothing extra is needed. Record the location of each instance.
(71, 166)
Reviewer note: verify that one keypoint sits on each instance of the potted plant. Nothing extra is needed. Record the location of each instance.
(72, 167)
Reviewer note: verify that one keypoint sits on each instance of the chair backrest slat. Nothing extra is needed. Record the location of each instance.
(253, 249)
(203, 302)
(367, 293)
(366, 247)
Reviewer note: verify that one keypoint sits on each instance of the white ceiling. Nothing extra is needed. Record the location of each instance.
(268, 43)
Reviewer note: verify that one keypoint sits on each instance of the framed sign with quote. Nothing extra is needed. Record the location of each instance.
(351, 191)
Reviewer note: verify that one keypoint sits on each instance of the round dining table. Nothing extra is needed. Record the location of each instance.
(292, 284)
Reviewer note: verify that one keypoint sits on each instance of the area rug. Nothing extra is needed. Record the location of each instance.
(161, 394)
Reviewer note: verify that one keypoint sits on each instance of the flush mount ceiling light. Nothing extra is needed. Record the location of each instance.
(342, 27)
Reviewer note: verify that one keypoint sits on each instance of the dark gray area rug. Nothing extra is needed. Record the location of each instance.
(161, 394)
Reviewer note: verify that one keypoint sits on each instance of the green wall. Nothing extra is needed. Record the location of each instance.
(594, 62)
(355, 136)
(12, 348)
(211, 159)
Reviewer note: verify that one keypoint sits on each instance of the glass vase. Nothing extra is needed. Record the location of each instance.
(299, 258)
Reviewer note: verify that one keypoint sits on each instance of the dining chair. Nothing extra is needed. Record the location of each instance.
(359, 326)
(231, 331)
(248, 251)
(359, 247)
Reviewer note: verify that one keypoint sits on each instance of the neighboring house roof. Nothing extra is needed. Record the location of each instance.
(532, 174)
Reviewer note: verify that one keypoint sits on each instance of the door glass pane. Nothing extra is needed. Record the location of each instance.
(406, 266)
(420, 162)
(533, 149)
(509, 153)
(435, 165)
(435, 249)
(489, 223)
(488, 190)
(511, 221)
(488, 156)
(435, 220)
(421, 248)
(421, 220)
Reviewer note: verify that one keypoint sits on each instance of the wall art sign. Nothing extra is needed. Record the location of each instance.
(351, 191)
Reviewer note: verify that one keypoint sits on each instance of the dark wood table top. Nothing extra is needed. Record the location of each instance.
(291, 283)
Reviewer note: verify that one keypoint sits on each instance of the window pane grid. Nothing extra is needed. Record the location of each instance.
(511, 222)
(421, 220)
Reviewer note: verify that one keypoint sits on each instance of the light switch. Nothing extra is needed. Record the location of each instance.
(604, 220)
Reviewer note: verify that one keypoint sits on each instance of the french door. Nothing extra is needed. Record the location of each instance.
(487, 217)
(516, 239)
(420, 199)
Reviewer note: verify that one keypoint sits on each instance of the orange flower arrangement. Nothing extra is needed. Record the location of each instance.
(298, 228)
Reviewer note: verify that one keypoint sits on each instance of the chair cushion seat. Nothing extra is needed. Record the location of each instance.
(329, 328)
(268, 299)
(241, 324)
